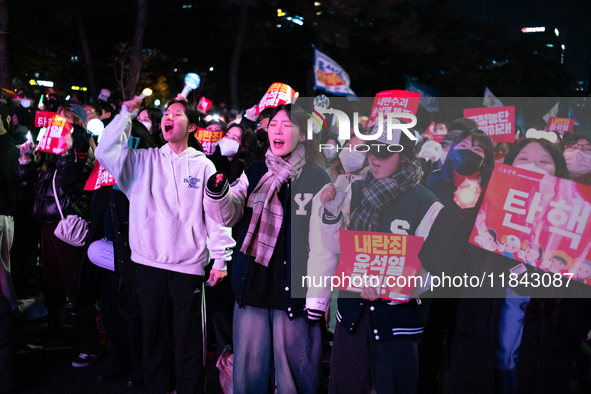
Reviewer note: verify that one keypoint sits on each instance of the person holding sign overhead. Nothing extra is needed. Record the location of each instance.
(507, 339)
(376, 341)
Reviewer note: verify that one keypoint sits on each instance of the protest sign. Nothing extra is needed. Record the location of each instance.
(42, 118)
(204, 105)
(208, 139)
(394, 101)
(278, 94)
(497, 122)
(54, 139)
(538, 219)
(98, 178)
(391, 258)
(561, 125)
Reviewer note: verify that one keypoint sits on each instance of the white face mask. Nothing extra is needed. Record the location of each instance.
(578, 162)
(25, 103)
(532, 167)
(228, 147)
(443, 156)
(352, 161)
(147, 125)
(330, 153)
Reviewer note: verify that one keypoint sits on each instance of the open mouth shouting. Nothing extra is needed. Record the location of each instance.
(278, 143)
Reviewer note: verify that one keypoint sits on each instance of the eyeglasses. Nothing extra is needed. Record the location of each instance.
(264, 127)
(576, 146)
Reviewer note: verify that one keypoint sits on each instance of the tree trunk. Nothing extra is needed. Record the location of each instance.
(87, 55)
(236, 57)
(135, 62)
(4, 71)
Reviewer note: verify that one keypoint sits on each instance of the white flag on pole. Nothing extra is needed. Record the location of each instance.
(490, 100)
(552, 113)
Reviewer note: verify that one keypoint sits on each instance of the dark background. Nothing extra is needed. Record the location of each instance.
(457, 47)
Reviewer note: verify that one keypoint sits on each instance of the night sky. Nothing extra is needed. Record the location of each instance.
(574, 15)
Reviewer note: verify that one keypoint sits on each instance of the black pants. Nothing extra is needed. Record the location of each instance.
(358, 362)
(170, 303)
(61, 268)
(220, 311)
(7, 366)
(124, 334)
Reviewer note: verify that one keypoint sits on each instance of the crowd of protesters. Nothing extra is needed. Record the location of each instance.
(215, 241)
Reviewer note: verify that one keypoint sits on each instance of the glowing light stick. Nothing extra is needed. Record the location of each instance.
(145, 93)
(192, 82)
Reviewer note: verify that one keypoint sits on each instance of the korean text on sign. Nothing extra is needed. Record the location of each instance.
(54, 139)
(535, 218)
(42, 118)
(379, 256)
(208, 139)
(561, 125)
(497, 122)
(390, 101)
(277, 94)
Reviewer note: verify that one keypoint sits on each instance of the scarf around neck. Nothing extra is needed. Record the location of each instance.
(379, 194)
(267, 211)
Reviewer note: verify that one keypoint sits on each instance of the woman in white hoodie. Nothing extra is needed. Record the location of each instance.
(171, 238)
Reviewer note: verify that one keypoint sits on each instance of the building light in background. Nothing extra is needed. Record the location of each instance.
(47, 84)
(556, 32)
(539, 29)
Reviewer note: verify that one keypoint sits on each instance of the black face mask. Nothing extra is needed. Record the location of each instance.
(464, 161)
(262, 135)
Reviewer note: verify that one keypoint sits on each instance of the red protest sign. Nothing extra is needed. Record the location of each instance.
(538, 219)
(204, 105)
(208, 139)
(278, 94)
(98, 178)
(394, 101)
(561, 125)
(497, 122)
(54, 139)
(391, 258)
(42, 118)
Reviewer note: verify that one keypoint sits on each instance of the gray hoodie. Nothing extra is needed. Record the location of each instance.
(168, 227)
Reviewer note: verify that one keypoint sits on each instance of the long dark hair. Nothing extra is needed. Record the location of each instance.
(559, 162)
(250, 147)
(481, 139)
(300, 119)
(140, 131)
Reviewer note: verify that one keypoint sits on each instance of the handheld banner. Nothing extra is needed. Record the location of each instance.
(204, 105)
(278, 94)
(208, 139)
(42, 118)
(390, 259)
(98, 178)
(54, 139)
(537, 219)
(394, 101)
(561, 125)
(497, 122)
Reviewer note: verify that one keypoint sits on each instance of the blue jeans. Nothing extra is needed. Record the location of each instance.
(270, 349)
